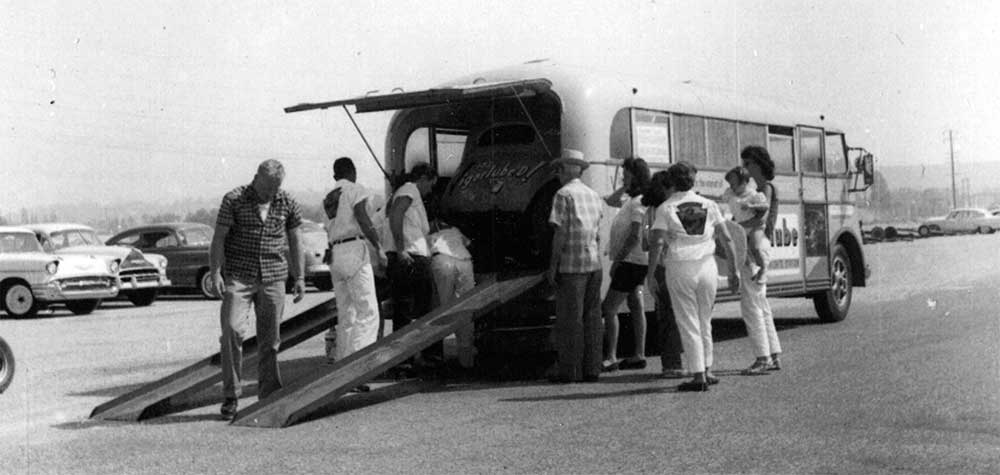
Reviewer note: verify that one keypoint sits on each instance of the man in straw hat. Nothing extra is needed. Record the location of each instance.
(575, 272)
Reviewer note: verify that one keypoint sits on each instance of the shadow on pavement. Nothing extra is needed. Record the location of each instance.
(584, 396)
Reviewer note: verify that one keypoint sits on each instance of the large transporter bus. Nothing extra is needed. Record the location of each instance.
(491, 136)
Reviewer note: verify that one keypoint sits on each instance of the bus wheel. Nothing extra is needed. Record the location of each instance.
(833, 304)
(6, 365)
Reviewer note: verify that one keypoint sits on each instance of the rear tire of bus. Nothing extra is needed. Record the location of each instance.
(833, 304)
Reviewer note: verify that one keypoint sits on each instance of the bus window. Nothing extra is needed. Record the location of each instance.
(752, 134)
(811, 157)
(652, 136)
(722, 144)
(690, 143)
(836, 158)
(418, 148)
(621, 135)
(450, 146)
(780, 146)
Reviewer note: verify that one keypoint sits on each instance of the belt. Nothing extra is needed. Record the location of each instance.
(341, 241)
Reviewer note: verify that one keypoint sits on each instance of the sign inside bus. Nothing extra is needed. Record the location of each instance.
(504, 179)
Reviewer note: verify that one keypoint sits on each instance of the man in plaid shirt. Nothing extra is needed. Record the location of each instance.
(575, 272)
(248, 267)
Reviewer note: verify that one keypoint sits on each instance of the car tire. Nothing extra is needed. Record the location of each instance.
(205, 285)
(984, 230)
(6, 365)
(924, 231)
(19, 301)
(324, 283)
(142, 298)
(833, 304)
(83, 307)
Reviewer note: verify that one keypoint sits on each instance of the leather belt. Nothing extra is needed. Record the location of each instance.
(341, 241)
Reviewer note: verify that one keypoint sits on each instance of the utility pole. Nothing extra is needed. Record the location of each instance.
(951, 150)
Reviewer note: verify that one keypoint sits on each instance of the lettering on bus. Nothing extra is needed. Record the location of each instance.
(496, 174)
(783, 264)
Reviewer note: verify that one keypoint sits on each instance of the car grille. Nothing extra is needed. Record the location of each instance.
(140, 275)
(85, 283)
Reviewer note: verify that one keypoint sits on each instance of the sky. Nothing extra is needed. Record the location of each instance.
(107, 101)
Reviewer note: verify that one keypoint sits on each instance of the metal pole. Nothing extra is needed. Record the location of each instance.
(951, 149)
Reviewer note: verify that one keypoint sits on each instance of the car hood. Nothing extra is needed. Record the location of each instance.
(127, 256)
(69, 265)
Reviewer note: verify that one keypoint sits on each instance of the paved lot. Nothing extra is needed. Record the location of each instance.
(908, 383)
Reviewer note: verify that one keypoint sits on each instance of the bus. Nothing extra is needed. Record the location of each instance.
(491, 135)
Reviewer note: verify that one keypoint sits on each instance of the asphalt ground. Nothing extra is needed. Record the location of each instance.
(908, 383)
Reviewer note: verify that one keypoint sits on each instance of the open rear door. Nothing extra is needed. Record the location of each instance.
(434, 96)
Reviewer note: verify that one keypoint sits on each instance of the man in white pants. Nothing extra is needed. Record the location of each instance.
(351, 269)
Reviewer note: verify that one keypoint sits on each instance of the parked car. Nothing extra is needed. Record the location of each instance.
(314, 244)
(31, 279)
(139, 277)
(962, 220)
(185, 245)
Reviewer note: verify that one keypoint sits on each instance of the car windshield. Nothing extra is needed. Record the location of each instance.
(19, 242)
(74, 237)
(196, 236)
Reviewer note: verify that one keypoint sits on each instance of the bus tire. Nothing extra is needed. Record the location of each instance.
(833, 304)
(6, 365)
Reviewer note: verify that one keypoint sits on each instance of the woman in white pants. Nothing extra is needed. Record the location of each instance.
(690, 223)
(757, 316)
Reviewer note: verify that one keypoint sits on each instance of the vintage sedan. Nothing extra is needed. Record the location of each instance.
(314, 244)
(959, 221)
(31, 279)
(185, 245)
(140, 277)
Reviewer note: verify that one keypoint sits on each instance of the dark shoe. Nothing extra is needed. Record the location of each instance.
(228, 409)
(610, 367)
(756, 369)
(632, 364)
(711, 380)
(775, 364)
(692, 386)
(673, 373)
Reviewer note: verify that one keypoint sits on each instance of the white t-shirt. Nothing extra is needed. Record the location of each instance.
(415, 225)
(450, 242)
(631, 211)
(736, 203)
(693, 219)
(345, 224)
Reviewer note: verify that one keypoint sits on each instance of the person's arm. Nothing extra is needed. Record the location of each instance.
(298, 263)
(614, 200)
(397, 211)
(631, 241)
(361, 215)
(558, 241)
(217, 258)
(722, 232)
(657, 243)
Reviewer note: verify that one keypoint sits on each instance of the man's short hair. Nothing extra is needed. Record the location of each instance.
(271, 169)
(343, 167)
(422, 170)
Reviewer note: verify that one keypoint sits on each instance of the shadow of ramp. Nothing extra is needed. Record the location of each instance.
(381, 392)
(588, 396)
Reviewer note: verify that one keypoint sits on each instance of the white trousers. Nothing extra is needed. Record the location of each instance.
(453, 278)
(756, 310)
(357, 305)
(692, 286)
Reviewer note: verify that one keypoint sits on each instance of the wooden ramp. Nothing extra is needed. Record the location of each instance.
(154, 399)
(307, 394)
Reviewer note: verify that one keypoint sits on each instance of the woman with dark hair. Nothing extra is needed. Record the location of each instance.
(755, 308)
(670, 339)
(628, 266)
(689, 223)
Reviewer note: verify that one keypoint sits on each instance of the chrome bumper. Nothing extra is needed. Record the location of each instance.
(52, 292)
(130, 282)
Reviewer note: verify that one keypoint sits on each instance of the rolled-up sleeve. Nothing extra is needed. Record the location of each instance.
(560, 208)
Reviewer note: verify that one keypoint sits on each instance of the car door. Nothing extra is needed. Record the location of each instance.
(952, 224)
(164, 241)
(192, 253)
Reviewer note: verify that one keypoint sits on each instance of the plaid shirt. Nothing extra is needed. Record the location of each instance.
(257, 249)
(576, 210)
